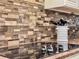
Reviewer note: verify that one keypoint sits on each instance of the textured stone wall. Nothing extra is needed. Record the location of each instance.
(23, 24)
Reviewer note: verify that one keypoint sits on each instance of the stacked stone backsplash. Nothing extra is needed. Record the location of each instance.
(22, 25)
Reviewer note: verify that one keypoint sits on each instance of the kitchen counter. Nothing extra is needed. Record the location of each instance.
(3, 57)
(75, 56)
(64, 54)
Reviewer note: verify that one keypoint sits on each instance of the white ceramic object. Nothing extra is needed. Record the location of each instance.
(62, 36)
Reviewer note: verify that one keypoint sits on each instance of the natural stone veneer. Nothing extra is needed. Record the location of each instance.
(22, 23)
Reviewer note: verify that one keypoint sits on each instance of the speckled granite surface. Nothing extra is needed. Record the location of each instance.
(76, 56)
(65, 54)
